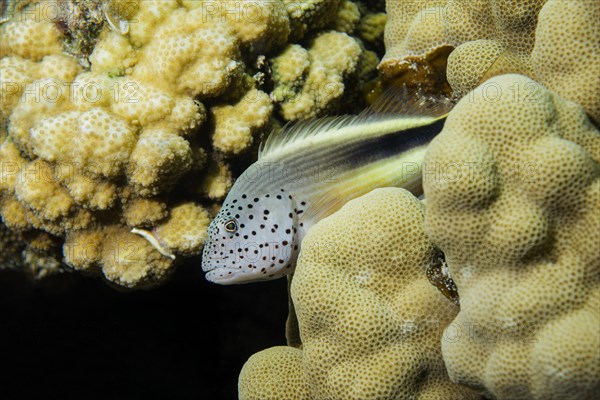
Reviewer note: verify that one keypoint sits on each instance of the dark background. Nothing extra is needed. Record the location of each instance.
(75, 337)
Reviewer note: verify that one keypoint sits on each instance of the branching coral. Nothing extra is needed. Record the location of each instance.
(309, 83)
(137, 129)
(513, 199)
(370, 321)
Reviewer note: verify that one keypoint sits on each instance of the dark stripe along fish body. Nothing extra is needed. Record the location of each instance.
(308, 171)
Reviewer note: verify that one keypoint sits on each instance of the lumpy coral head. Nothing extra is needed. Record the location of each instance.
(513, 200)
(552, 41)
(370, 322)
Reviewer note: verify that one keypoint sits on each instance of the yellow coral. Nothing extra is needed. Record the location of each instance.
(513, 197)
(112, 137)
(148, 16)
(217, 181)
(113, 53)
(88, 191)
(566, 57)
(14, 215)
(18, 72)
(38, 188)
(184, 232)
(348, 17)
(278, 367)
(159, 158)
(369, 319)
(552, 41)
(30, 34)
(106, 150)
(131, 261)
(289, 67)
(235, 124)
(333, 56)
(372, 26)
(82, 250)
(195, 55)
(310, 15)
(261, 25)
(144, 212)
(404, 16)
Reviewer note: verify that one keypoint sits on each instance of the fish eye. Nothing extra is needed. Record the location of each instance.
(231, 225)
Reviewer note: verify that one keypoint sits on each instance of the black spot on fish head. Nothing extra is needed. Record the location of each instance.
(251, 239)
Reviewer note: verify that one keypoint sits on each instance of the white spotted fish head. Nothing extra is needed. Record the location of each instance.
(252, 238)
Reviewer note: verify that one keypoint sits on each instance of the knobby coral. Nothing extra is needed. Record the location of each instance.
(370, 321)
(513, 199)
(135, 125)
(552, 41)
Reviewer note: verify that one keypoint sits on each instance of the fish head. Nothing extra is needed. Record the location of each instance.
(253, 238)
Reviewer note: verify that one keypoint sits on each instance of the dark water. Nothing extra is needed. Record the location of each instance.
(75, 337)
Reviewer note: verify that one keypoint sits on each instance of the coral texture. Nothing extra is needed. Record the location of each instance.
(310, 82)
(513, 199)
(552, 41)
(370, 321)
(115, 118)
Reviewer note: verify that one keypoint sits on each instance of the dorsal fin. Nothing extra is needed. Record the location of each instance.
(294, 131)
(393, 103)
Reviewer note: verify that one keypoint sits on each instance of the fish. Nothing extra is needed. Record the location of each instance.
(309, 170)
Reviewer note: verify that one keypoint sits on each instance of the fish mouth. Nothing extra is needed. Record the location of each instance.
(207, 266)
(228, 276)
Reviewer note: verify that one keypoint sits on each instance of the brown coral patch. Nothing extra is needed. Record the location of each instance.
(424, 72)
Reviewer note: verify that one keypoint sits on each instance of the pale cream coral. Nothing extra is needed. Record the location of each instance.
(348, 17)
(288, 70)
(261, 25)
(513, 197)
(566, 55)
(18, 72)
(11, 164)
(148, 16)
(121, 256)
(278, 367)
(370, 322)
(118, 133)
(185, 231)
(82, 142)
(131, 261)
(310, 15)
(236, 123)
(144, 213)
(484, 59)
(332, 57)
(192, 54)
(217, 180)
(112, 54)
(158, 159)
(38, 188)
(30, 34)
(88, 190)
(105, 150)
(13, 213)
(552, 41)
(82, 250)
(141, 103)
(372, 26)
(421, 17)
(41, 98)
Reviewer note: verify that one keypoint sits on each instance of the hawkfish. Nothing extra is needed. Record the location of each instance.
(309, 170)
